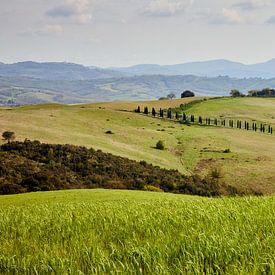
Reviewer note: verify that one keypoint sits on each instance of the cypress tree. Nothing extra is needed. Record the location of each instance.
(153, 112)
(138, 109)
(146, 110)
(184, 117)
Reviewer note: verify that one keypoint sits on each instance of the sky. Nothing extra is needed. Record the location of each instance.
(120, 33)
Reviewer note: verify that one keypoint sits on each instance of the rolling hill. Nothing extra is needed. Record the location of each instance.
(212, 68)
(247, 164)
(29, 82)
(29, 90)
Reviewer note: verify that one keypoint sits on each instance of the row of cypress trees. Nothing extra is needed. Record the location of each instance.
(207, 121)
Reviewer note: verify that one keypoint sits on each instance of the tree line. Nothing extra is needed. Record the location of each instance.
(267, 92)
(199, 120)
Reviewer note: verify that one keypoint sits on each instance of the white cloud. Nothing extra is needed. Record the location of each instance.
(51, 30)
(252, 5)
(271, 20)
(166, 7)
(74, 10)
(228, 16)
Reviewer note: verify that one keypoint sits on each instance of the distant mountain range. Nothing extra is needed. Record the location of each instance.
(31, 82)
(55, 71)
(211, 68)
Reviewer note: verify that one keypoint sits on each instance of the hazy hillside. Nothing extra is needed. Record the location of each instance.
(211, 68)
(54, 71)
(31, 82)
(26, 90)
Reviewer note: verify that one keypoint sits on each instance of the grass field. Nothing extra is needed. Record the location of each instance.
(130, 232)
(194, 149)
(247, 108)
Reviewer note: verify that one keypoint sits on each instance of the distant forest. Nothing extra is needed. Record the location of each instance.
(31, 166)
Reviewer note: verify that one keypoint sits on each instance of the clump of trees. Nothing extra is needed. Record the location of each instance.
(187, 93)
(236, 93)
(267, 92)
(33, 166)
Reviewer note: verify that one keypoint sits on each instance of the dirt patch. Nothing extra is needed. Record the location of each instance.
(176, 151)
(203, 164)
(263, 158)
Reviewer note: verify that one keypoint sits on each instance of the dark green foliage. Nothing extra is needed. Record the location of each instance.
(146, 112)
(236, 93)
(267, 92)
(153, 112)
(187, 94)
(33, 166)
(160, 145)
(169, 114)
(184, 118)
(109, 132)
(138, 109)
(8, 136)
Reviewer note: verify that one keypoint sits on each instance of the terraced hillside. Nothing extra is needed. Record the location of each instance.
(242, 158)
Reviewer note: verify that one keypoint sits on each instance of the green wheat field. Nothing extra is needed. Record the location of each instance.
(131, 232)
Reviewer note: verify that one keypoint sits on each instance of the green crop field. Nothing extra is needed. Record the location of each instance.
(195, 149)
(131, 232)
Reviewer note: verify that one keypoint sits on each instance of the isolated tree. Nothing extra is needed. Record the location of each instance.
(160, 145)
(171, 96)
(8, 136)
(138, 109)
(187, 93)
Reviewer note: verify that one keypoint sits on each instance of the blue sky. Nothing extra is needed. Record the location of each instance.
(126, 32)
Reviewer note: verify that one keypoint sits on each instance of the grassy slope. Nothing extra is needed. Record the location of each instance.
(189, 149)
(130, 232)
(248, 108)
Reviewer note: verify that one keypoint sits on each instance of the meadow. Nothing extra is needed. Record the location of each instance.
(134, 232)
(190, 149)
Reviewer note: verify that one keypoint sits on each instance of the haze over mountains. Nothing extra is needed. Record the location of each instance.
(31, 82)
(211, 68)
